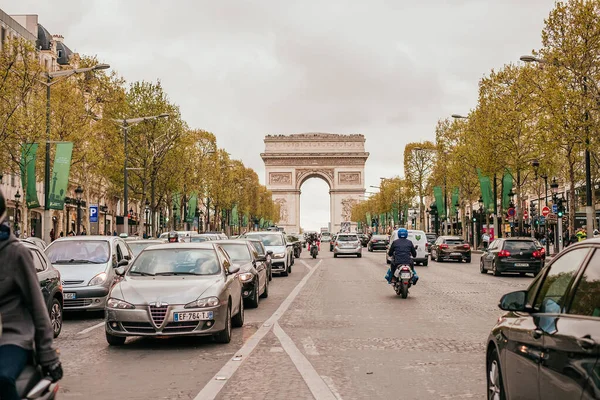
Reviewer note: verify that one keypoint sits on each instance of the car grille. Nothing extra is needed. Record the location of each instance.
(66, 283)
(180, 327)
(158, 314)
(138, 327)
(77, 303)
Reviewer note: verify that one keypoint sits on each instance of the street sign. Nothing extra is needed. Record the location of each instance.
(552, 218)
(545, 211)
(554, 208)
(525, 214)
(511, 212)
(94, 213)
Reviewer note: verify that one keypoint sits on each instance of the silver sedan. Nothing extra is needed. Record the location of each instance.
(176, 289)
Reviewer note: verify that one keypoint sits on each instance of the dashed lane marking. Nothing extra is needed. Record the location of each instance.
(216, 384)
(306, 265)
(332, 387)
(91, 328)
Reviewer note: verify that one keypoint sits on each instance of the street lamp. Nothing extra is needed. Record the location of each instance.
(174, 211)
(17, 199)
(78, 196)
(198, 213)
(147, 209)
(49, 83)
(458, 116)
(554, 187)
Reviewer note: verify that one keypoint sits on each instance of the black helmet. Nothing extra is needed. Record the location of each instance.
(2, 208)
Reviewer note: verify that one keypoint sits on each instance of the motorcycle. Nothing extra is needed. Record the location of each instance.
(314, 250)
(404, 280)
(31, 384)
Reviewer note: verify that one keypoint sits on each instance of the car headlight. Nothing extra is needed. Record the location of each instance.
(119, 304)
(98, 279)
(279, 255)
(203, 303)
(246, 276)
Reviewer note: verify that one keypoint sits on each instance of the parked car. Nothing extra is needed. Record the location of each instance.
(87, 266)
(253, 271)
(295, 241)
(546, 344)
(520, 254)
(378, 242)
(325, 237)
(347, 244)
(283, 257)
(176, 289)
(419, 240)
(450, 248)
(263, 254)
(136, 246)
(50, 284)
(36, 241)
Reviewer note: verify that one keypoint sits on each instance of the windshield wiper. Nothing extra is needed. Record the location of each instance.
(175, 273)
(140, 273)
(73, 261)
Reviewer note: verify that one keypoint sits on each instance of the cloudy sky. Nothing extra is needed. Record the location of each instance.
(388, 69)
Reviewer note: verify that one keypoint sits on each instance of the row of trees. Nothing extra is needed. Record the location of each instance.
(165, 155)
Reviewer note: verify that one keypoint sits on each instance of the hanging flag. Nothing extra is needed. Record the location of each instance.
(454, 202)
(28, 182)
(507, 185)
(235, 219)
(60, 175)
(261, 223)
(191, 208)
(486, 191)
(439, 200)
(245, 220)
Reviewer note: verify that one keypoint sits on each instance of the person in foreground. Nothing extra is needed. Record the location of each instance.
(26, 328)
(402, 251)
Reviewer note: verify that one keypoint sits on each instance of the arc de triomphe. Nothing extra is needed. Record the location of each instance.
(337, 159)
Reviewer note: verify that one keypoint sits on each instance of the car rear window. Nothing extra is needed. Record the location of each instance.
(520, 245)
(380, 237)
(347, 238)
(454, 241)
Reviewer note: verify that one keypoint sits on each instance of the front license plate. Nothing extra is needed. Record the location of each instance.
(455, 254)
(405, 275)
(70, 296)
(193, 316)
(521, 265)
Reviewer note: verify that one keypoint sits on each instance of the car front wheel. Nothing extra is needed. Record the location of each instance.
(225, 335)
(494, 378)
(115, 340)
(56, 317)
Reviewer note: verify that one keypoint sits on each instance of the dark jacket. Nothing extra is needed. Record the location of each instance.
(25, 320)
(401, 250)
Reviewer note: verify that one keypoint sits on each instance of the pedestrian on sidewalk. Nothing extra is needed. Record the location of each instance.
(52, 235)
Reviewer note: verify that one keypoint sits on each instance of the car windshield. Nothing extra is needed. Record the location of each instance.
(137, 248)
(79, 252)
(347, 238)
(270, 239)
(176, 262)
(198, 239)
(237, 252)
(257, 246)
(520, 245)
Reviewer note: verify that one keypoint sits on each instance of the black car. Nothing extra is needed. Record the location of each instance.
(51, 285)
(520, 254)
(364, 239)
(378, 242)
(295, 240)
(253, 273)
(450, 248)
(546, 345)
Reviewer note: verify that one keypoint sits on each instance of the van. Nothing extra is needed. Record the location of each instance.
(419, 240)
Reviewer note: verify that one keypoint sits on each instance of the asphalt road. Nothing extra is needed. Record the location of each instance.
(333, 329)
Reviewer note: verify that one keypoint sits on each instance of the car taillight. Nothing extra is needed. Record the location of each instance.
(466, 246)
(374, 241)
(538, 254)
(443, 246)
(426, 244)
(504, 253)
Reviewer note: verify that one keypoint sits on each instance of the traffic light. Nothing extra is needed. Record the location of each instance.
(474, 219)
(532, 210)
(561, 208)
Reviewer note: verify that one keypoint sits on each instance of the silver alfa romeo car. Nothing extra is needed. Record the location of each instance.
(176, 289)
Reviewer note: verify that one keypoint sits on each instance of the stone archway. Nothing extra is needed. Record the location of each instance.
(337, 159)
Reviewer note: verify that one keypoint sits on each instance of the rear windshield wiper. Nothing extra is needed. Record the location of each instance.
(140, 273)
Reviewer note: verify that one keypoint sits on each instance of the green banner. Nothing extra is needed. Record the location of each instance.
(235, 219)
(261, 223)
(28, 157)
(191, 208)
(245, 220)
(369, 222)
(486, 191)
(395, 214)
(439, 200)
(454, 202)
(507, 185)
(60, 175)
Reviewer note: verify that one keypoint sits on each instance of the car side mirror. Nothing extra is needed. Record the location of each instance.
(261, 258)
(270, 253)
(120, 271)
(234, 269)
(123, 263)
(514, 301)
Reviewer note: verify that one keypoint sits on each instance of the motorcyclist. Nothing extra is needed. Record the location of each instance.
(25, 322)
(312, 238)
(173, 237)
(402, 251)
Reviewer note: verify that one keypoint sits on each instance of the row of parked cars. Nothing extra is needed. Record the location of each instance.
(84, 273)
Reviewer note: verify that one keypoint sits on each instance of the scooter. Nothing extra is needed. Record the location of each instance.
(404, 280)
(314, 250)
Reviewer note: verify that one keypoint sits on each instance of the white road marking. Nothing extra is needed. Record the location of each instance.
(91, 328)
(311, 377)
(214, 386)
(331, 385)
(276, 349)
(306, 265)
(309, 346)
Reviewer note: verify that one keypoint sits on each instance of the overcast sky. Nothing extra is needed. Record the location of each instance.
(388, 69)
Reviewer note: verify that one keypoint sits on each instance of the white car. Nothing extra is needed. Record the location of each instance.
(419, 239)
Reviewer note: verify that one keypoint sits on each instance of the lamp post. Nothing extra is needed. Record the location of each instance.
(174, 211)
(17, 211)
(49, 82)
(198, 214)
(147, 210)
(557, 234)
(104, 209)
(479, 218)
(467, 229)
(78, 196)
(589, 207)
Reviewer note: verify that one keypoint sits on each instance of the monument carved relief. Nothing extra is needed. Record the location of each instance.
(347, 205)
(283, 212)
(280, 178)
(352, 178)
